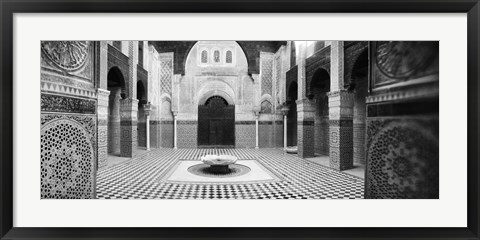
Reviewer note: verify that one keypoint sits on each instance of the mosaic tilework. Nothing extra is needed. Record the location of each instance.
(139, 178)
(359, 143)
(321, 136)
(187, 134)
(128, 127)
(265, 135)
(154, 134)
(279, 134)
(166, 134)
(245, 135)
(305, 143)
(341, 142)
(403, 158)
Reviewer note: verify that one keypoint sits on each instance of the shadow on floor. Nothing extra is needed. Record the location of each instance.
(115, 159)
(358, 170)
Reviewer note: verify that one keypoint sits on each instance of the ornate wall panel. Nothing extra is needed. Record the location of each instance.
(245, 134)
(403, 158)
(55, 103)
(187, 134)
(279, 134)
(166, 131)
(402, 155)
(67, 68)
(68, 57)
(266, 73)
(166, 73)
(278, 76)
(401, 61)
(68, 135)
(68, 149)
(266, 107)
(266, 134)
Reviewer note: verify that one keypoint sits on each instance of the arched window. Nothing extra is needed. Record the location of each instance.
(228, 57)
(216, 56)
(204, 56)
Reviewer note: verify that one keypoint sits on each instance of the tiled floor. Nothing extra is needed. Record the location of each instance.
(139, 178)
(357, 170)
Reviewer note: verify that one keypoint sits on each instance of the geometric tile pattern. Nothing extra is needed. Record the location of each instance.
(166, 73)
(403, 158)
(187, 134)
(245, 135)
(166, 134)
(267, 74)
(67, 157)
(139, 178)
(359, 143)
(306, 139)
(278, 75)
(341, 145)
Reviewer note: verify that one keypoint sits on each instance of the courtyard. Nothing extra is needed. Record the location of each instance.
(146, 177)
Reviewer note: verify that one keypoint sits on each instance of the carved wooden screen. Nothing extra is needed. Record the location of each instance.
(216, 123)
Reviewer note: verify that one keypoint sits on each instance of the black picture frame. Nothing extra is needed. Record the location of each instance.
(9, 7)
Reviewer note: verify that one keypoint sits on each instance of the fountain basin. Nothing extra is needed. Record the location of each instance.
(219, 164)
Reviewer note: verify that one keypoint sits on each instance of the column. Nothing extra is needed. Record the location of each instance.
(175, 129)
(340, 103)
(102, 126)
(285, 132)
(128, 127)
(305, 128)
(147, 108)
(285, 110)
(305, 109)
(102, 103)
(256, 129)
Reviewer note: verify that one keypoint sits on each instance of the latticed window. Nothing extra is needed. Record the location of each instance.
(216, 56)
(204, 56)
(228, 57)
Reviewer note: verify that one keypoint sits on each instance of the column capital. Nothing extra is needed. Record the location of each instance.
(340, 104)
(147, 108)
(340, 93)
(305, 105)
(129, 104)
(285, 108)
(102, 93)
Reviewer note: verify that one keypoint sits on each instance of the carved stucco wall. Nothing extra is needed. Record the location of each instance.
(403, 125)
(68, 120)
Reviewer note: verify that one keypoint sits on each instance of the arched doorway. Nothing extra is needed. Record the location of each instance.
(292, 115)
(116, 86)
(216, 123)
(319, 87)
(141, 119)
(359, 83)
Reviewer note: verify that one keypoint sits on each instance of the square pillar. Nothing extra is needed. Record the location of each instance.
(340, 105)
(128, 127)
(305, 128)
(102, 126)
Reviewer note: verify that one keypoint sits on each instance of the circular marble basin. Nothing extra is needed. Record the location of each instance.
(219, 164)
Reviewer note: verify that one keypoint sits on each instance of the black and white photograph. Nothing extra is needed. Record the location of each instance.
(239, 120)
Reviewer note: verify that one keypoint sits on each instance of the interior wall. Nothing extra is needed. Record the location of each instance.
(68, 120)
